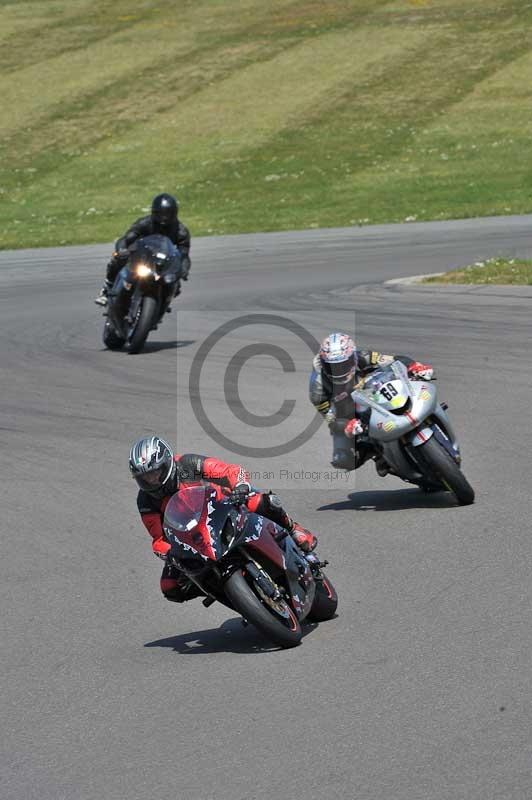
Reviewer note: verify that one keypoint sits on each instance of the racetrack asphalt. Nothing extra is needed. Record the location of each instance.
(419, 689)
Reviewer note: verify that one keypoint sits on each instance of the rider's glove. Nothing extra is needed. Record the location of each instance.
(353, 427)
(161, 549)
(422, 371)
(239, 494)
(121, 256)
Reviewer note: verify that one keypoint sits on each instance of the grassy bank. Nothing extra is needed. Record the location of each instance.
(261, 116)
(501, 271)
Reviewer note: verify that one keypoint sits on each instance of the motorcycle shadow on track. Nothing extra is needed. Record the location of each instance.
(230, 637)
(392, 500)
(155, 347)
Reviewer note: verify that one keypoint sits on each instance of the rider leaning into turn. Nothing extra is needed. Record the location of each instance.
(163, 219)
(159, 474)
(337, 369)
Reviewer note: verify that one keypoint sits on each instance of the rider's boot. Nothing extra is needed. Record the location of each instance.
(344, 459)
(176, 587)
(304, 539)
(103, 297)
(270, 506)
(381, 466)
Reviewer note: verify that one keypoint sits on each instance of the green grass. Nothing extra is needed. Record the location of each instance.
(495, 271)
(261, 116)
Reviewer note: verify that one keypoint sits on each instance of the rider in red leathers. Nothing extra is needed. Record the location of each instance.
(159, 473)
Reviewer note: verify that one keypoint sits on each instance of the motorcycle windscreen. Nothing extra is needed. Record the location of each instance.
(183, 523)
(159, 252)
(377, 378)
(385, 388)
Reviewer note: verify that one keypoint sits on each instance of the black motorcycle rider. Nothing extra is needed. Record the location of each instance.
(337, 368)
(164, 220)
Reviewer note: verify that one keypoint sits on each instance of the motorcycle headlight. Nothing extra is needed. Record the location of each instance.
(143, 270)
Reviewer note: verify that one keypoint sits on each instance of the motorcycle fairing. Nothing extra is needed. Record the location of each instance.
(421, 436)
(262, 535)
(200, 527)
(300, 580)
(394, 454)
(267, 539)
(442, 430)
(159, 253)
(397, 404)
(445, 434)
(195, 536)
(386, 426)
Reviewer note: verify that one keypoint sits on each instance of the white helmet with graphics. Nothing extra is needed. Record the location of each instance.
(338, 356)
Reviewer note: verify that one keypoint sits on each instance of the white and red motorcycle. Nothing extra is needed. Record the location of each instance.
(411, 432)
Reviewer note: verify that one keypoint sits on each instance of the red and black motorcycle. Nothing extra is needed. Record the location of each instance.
(246, 562)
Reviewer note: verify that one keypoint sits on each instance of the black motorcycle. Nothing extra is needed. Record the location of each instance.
(142, 292)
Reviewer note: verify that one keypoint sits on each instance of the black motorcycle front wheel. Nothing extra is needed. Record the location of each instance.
(142, 325)
(275, 619)
(440, 463)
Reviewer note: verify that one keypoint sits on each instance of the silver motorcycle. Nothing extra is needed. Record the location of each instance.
(411, 432)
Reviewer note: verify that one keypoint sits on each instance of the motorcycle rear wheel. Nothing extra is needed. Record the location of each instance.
(282, 630)
(449, 473)
(325, 601)
(143, 325)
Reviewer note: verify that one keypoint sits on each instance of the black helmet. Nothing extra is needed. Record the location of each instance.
(151, 463)
(164, 210)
